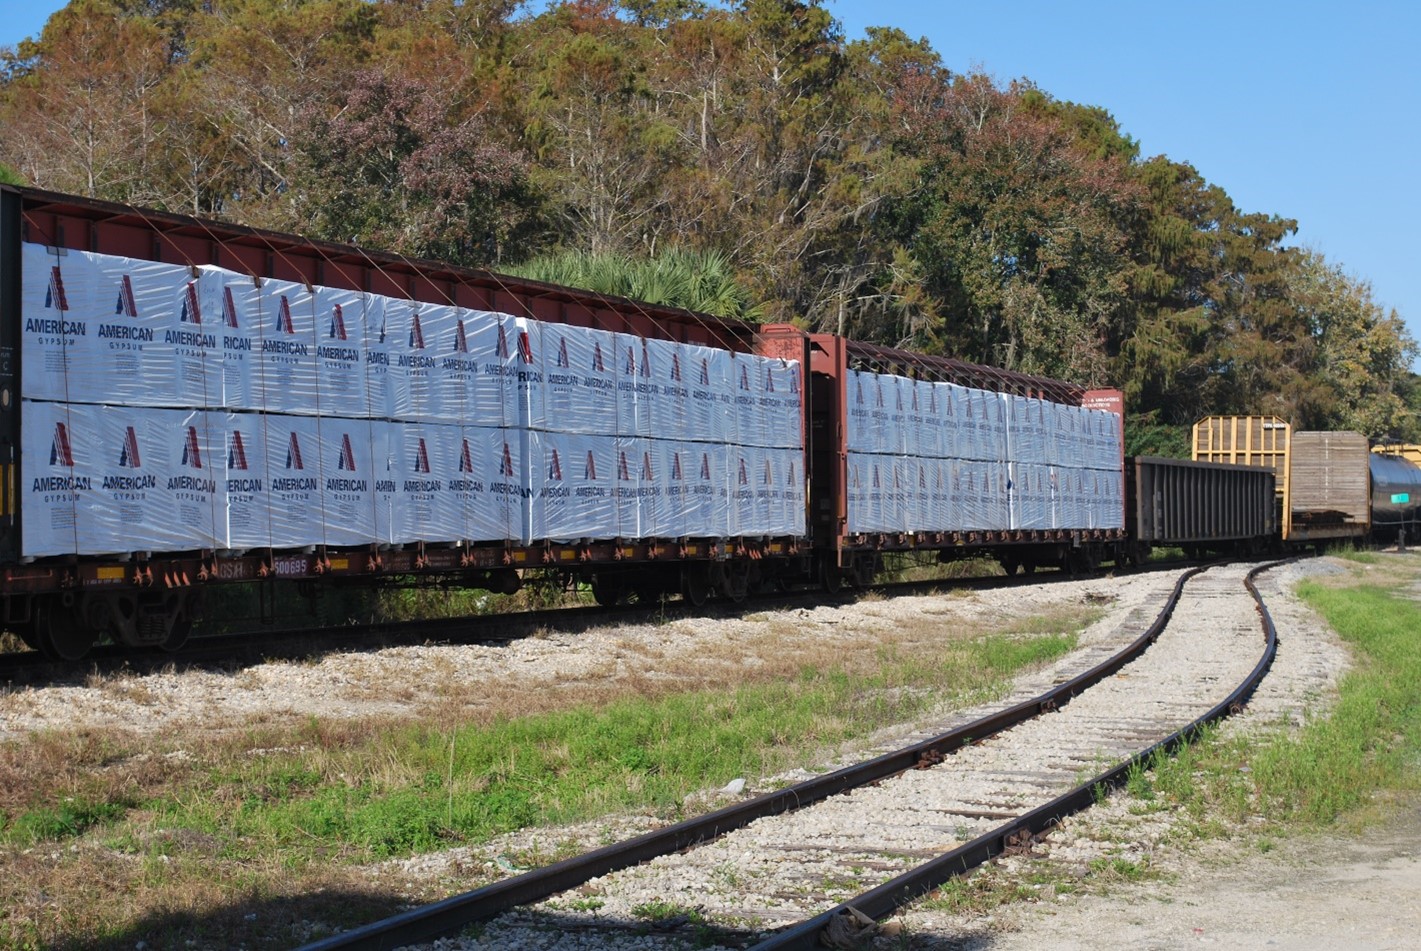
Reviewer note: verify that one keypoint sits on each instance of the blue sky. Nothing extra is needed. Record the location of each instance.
(1303, 109)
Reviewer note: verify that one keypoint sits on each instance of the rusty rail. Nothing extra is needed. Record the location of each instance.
(453, 914)
(887, 898)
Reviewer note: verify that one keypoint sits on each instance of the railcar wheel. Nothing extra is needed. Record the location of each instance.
(695, 586)
(1010, 566)
(735, 582)
(606, 591)
(60, 635)
(831, 577)
(178, 635)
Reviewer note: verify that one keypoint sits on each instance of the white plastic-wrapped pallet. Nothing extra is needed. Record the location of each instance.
(233, 304)
(1026, 424)
(491, 398)
(1031, 489)
(574, 486)
(633, 411)
(340, 353)
(456, 369)
(854, 501)
(996, 409)
(425, 509)
(897, 392)
(446, 339)
(705, 467)
(508, 483)
(788, 423)
(976, 424)
(655, 519)
(245, 475)
(99, 479)
(57, 305)
(792, 511)
(386, 447)
(411, 329)
(347, 503)
(862, 473)
(880, 490)
(663, 367)
(292, 455)
(740, 463)
(967, 488)
(286, 339)
(918, 486)
(992, 494)
(1081, 497)
(744, 373)
(957, 438)
(384, 380)
(152, 348)
(860, 433)
(579, 379)
(473, 463)
(775, 386)
(924, 432)
(624, 480)
(704, 377)
(756, 516)
(319, 477)
(101, 328)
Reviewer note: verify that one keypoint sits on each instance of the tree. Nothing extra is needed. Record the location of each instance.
(80, 114)
(384, 166)
(1359, 357)
(1019, 229)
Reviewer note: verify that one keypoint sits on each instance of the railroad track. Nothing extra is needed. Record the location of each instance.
(33, 667)
(778, 870)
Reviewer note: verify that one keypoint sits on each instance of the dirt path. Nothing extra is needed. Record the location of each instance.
(1314, 892)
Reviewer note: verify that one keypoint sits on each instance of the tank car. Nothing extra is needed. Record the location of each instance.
(1396, 497)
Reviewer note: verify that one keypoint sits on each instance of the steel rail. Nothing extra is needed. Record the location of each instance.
(880, 902)
(260, 644)
(455, 913)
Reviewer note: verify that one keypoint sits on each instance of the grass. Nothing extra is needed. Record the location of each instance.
(413, 788)
(257, 817)
(1343, 766)
(1368, 746)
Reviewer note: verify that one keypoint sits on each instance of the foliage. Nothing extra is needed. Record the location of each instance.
(1340, 761)
(855, 186)
(694, 280)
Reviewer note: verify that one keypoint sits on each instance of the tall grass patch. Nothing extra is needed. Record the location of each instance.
(335, 790)
(1367, 746)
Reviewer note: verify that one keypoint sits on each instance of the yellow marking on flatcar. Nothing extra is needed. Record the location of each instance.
(340, 564)
(520, 556)
(110, 574)
(628, 552)
(567, 555)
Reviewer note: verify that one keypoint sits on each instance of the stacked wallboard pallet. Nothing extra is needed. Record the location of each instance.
(170, 408)
(928, 457)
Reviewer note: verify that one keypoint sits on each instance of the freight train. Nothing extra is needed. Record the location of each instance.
(186, 403)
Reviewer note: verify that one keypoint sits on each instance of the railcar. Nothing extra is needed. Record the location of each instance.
(1201, 507)
(186, 403)
(1396, 493)
(918, 453)
(1323, 479)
